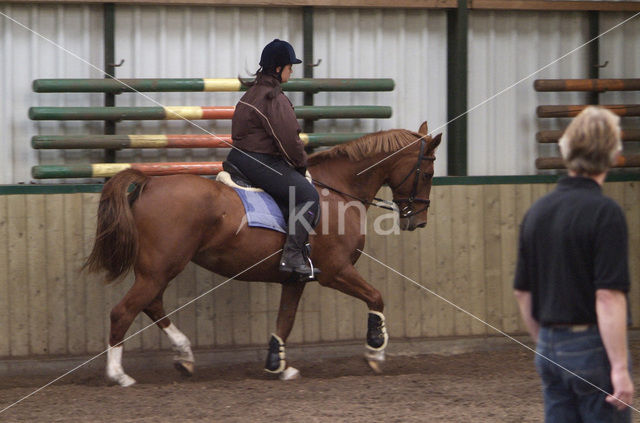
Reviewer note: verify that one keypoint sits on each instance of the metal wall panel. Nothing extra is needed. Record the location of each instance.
(226, 42)
(504, 48)
(466, 255)
(408, 46)
(26, 56)
(164, 41)
(197, 42)
(620, 49)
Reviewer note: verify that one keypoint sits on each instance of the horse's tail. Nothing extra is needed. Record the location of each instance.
(116, 246)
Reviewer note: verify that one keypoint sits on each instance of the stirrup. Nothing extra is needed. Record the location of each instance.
(312, 276)
(295, 277)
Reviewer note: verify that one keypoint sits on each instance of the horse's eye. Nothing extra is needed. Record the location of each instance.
(428, 176)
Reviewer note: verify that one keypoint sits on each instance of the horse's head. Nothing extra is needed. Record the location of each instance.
(411, 177)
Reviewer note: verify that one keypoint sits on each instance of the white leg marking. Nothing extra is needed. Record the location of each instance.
(180, 343)
(115, 372)
(184, 359)
(377, 356)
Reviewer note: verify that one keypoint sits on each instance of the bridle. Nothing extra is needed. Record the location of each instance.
(408, 210)
(395, 205)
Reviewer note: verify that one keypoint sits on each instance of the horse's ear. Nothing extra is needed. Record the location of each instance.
(435, 142)
(424, 128)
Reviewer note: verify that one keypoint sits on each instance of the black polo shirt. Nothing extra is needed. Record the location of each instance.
(573, 241)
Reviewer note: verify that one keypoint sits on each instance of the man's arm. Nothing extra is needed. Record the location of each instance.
(524, 302)
(611, 308)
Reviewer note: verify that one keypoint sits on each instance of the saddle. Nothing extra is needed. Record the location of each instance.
(233, 177)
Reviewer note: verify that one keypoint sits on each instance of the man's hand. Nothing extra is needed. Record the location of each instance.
(611, 308)
(524, 301)
(622, 389)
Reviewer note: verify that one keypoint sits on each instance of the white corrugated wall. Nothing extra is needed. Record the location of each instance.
(507, 47)
(164, 42)
(27, 56)
(193, 42)
(167, 42)
(409, 47)
(620, 51)
(406, 45)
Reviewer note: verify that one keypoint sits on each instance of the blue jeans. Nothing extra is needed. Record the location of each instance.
(568, 399)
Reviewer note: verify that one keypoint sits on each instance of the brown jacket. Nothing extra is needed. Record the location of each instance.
(274, 130)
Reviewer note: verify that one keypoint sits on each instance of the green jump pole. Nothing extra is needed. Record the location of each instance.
(343, 112)
(204, 84)
(62, 171)
(49, 142)
(162, 113)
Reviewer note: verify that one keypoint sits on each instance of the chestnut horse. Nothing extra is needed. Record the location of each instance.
(168, 221)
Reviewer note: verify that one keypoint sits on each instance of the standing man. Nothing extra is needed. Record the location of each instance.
(572, 280)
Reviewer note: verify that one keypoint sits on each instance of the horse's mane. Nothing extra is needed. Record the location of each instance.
(377, 142)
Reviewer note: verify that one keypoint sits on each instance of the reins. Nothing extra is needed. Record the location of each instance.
(386, 204)
(406, 211)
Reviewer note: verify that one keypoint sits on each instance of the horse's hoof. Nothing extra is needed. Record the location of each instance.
(123, 380)
(184, 367)
(126, 381)
(375, 366)
(374, 360)
(290, 373)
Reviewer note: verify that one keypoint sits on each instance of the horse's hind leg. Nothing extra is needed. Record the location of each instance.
(349, 281)
(183, 361)
(141, 294)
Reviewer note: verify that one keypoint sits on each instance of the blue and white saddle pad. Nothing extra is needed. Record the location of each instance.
(261, 210)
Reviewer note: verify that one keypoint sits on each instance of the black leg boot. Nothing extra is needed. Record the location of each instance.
(276, 362)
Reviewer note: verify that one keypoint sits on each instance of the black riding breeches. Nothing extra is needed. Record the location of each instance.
(275, 176)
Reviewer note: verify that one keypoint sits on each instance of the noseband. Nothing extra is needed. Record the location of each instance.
(405, 205)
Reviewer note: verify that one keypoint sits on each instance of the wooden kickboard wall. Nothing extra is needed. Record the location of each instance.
(463, 260)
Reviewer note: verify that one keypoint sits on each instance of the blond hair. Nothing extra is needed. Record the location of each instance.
(591, 142)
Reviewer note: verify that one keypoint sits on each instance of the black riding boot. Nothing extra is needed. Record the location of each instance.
(296, 252)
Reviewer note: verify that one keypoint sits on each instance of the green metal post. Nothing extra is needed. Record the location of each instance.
(110, 72)
(307, 62)
(594, 53)
(457, 76)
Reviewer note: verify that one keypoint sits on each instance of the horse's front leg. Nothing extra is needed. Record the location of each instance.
(276, 359)
(349, 281)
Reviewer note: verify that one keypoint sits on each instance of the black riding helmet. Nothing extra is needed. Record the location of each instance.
(277, 53)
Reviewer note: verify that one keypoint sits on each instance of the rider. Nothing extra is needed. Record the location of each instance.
(265, 128)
